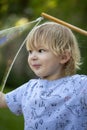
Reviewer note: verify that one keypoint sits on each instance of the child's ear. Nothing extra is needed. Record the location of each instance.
(65, 57)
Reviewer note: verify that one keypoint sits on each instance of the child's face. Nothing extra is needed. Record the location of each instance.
(44, 63)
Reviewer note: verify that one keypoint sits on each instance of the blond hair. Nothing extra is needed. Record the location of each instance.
(59, 39)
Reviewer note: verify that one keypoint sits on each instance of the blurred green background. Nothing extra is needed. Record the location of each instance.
(18, 12)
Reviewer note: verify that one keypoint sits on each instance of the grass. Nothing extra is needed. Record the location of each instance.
(9, 121)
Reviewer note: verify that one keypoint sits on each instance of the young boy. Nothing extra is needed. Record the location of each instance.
(57, 100)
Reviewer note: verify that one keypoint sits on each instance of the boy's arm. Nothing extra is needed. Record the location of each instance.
(2, 100)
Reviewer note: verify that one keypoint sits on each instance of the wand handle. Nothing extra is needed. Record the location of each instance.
(64, 23)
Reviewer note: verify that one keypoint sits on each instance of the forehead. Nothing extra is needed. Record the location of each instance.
(37, 42)
(39, 46)
(43, 36)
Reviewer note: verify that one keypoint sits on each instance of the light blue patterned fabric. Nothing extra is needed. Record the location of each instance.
(51, 105)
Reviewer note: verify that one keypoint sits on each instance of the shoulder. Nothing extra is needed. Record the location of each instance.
(80, 78)
(23, 88)
(31, 83)
(29, 86)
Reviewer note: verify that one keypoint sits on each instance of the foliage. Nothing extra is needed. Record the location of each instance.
(9, 121)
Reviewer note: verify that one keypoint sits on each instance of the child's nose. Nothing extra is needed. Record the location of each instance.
(34, 56)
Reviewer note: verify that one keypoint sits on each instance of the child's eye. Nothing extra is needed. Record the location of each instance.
(41, 50)
(30, 51)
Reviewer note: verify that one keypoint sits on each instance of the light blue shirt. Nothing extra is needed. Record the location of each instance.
(51, 105)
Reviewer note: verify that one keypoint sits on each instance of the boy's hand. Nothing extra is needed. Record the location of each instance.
(2, 100)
